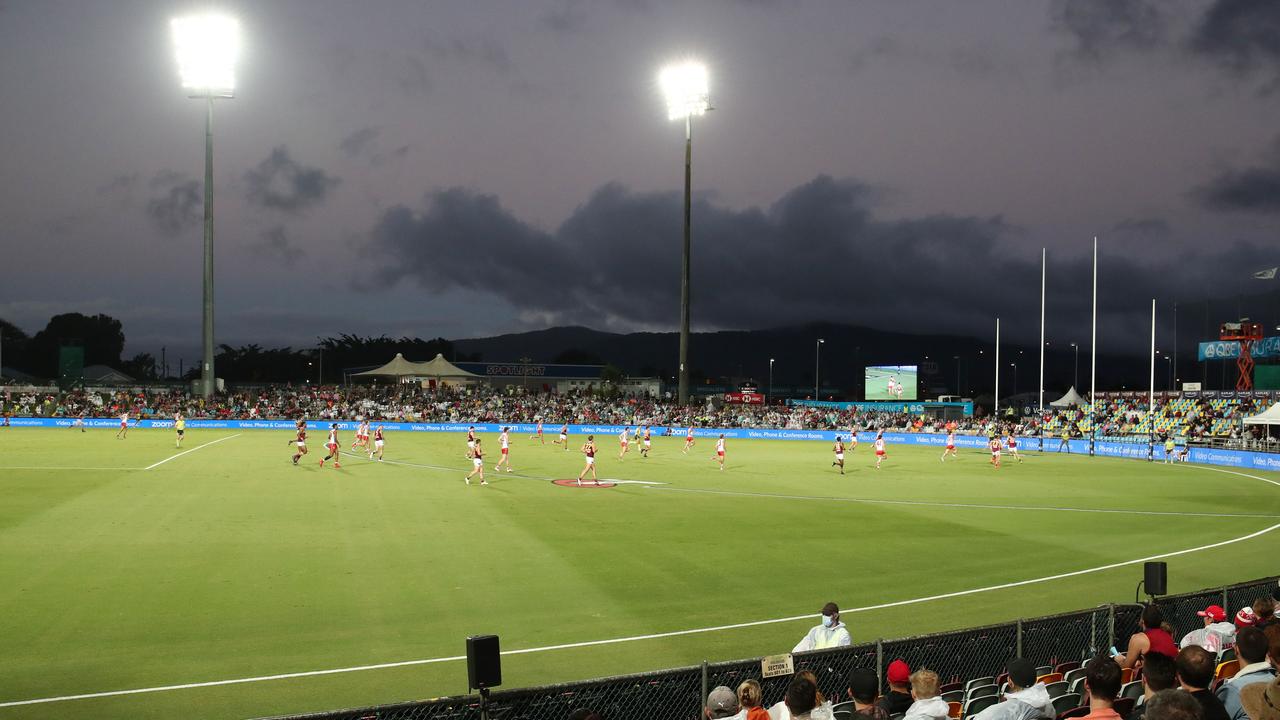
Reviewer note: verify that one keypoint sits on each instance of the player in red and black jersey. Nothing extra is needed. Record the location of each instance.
(300, 441)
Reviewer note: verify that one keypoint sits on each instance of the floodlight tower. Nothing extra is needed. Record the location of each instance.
(207, 47)
(684, 85)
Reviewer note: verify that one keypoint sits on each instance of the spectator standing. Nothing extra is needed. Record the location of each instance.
(1251, 649)
(830, 633)
(1195, 674)
(1158, 673)
(1025, 699)
(898, 699)
(927, 705)
(1102, 681)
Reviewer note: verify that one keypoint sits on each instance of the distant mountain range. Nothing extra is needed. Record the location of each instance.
(731, 356)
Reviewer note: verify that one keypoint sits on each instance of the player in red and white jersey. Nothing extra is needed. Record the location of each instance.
(624, 438)
(300, 440)
(838, 448)
(378, 443)
(589, 454)
(362, 435)
(123, 432)
(564, 437)
(720, 451)
(477, 462)
(537, 434)
(994, 444)
(852, 444)
(951, 445)
(648, 442)
(1012, 443)
(79, 422)
(880, 451)
(333, 446)
(504, 445)
(471, 442)
(688, 440)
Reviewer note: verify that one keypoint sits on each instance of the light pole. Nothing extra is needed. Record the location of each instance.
(1015, 378)
(769, 396)
(207, 47)
(1075, 382)
(817, 359)
(957, 359)
(684, 85)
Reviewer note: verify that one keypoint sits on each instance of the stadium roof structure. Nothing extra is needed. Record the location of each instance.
(105, 374)
(436, 367)
(1271, 416)
(1071, 398)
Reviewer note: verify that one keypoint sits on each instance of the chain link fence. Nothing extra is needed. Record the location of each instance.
(677, 694)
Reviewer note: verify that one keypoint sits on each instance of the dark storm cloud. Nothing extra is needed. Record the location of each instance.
(570, 17)
(275, 245)
(1253, 189)
(1143, 228)
(281, 183)
(481, 50)
(1099, 28)
(1242, 35)
(820, 252)
(359, 142)
(175, 202)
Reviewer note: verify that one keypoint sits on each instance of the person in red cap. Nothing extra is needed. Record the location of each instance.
(1216, 634)
(898, 699)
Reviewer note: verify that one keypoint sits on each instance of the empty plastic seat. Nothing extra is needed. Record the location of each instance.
(976, 682)
(1131, 690)
(1057, 689)
(978, 704)
(1067, 667)
(1050, 677)
(980, 691)
(1063, 703)
(1226, 669)
(952, 696)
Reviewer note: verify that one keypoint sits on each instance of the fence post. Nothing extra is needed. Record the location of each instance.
(880, 662)
(1093, 633)
(1226, 600)
(1111, 624)
(1019, 652)
(702, 702)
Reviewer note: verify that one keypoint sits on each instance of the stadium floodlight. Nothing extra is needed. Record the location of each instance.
(817, 360)
(769, 396)
(684, 84)
(207, 47)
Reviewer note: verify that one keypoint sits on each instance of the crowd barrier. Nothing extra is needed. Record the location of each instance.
(1206, 456)
(677, 693)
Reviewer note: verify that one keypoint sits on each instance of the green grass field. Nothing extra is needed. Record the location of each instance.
(228, 562)
(876, 380)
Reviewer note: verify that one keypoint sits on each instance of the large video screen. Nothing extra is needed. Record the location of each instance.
(890, 382)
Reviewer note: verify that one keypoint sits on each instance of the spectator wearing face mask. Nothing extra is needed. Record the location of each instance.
(831, 633)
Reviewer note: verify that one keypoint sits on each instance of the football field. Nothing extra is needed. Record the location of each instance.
(145, 578)
(877, 383)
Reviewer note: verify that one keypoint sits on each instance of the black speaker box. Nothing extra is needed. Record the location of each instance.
(1155, 578)
(484, 662)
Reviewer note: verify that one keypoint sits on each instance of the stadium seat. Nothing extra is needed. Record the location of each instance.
(1074, 713)
(1076, 686)
(951, 687)
(980, 691)
(1226, 669)
(953, 709)
(980, 703)
(1044, 670)
(1067, 667)
(897, 716)
(1072, 675)
(952, 696)
(1063, 703)
(1057, 689)
(989, 680)
(1050, 677)
(842, 711)
(1228, 653)
(1123, 706)
(1131, 690)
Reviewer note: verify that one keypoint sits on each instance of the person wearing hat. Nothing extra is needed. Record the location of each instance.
(1216, 634)
(1251, 649)
(723, 703)
(1245, 618)
(1025, 699)
(864, 686)
(898, 699)
(831, 633)
(1261, 701)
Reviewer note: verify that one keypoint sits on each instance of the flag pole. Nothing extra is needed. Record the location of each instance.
(1043, 259)
(1151, 391)
(1093, 350)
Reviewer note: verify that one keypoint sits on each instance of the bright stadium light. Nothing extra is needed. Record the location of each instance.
(207, 47)
(684, 84)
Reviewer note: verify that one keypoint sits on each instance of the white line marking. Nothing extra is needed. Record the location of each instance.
(634, 638)
(59, 467)
(651, 636)
(970, 506)
(184, 452)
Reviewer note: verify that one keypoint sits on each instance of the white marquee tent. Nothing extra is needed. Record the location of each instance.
(1072, 398)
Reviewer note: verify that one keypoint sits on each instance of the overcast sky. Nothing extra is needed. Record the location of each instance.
(469, 168)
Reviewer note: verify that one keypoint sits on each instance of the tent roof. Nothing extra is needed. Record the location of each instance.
(437, 367)
(1070, 398)
(1270, 417)
(102, 373)
(398, 367)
